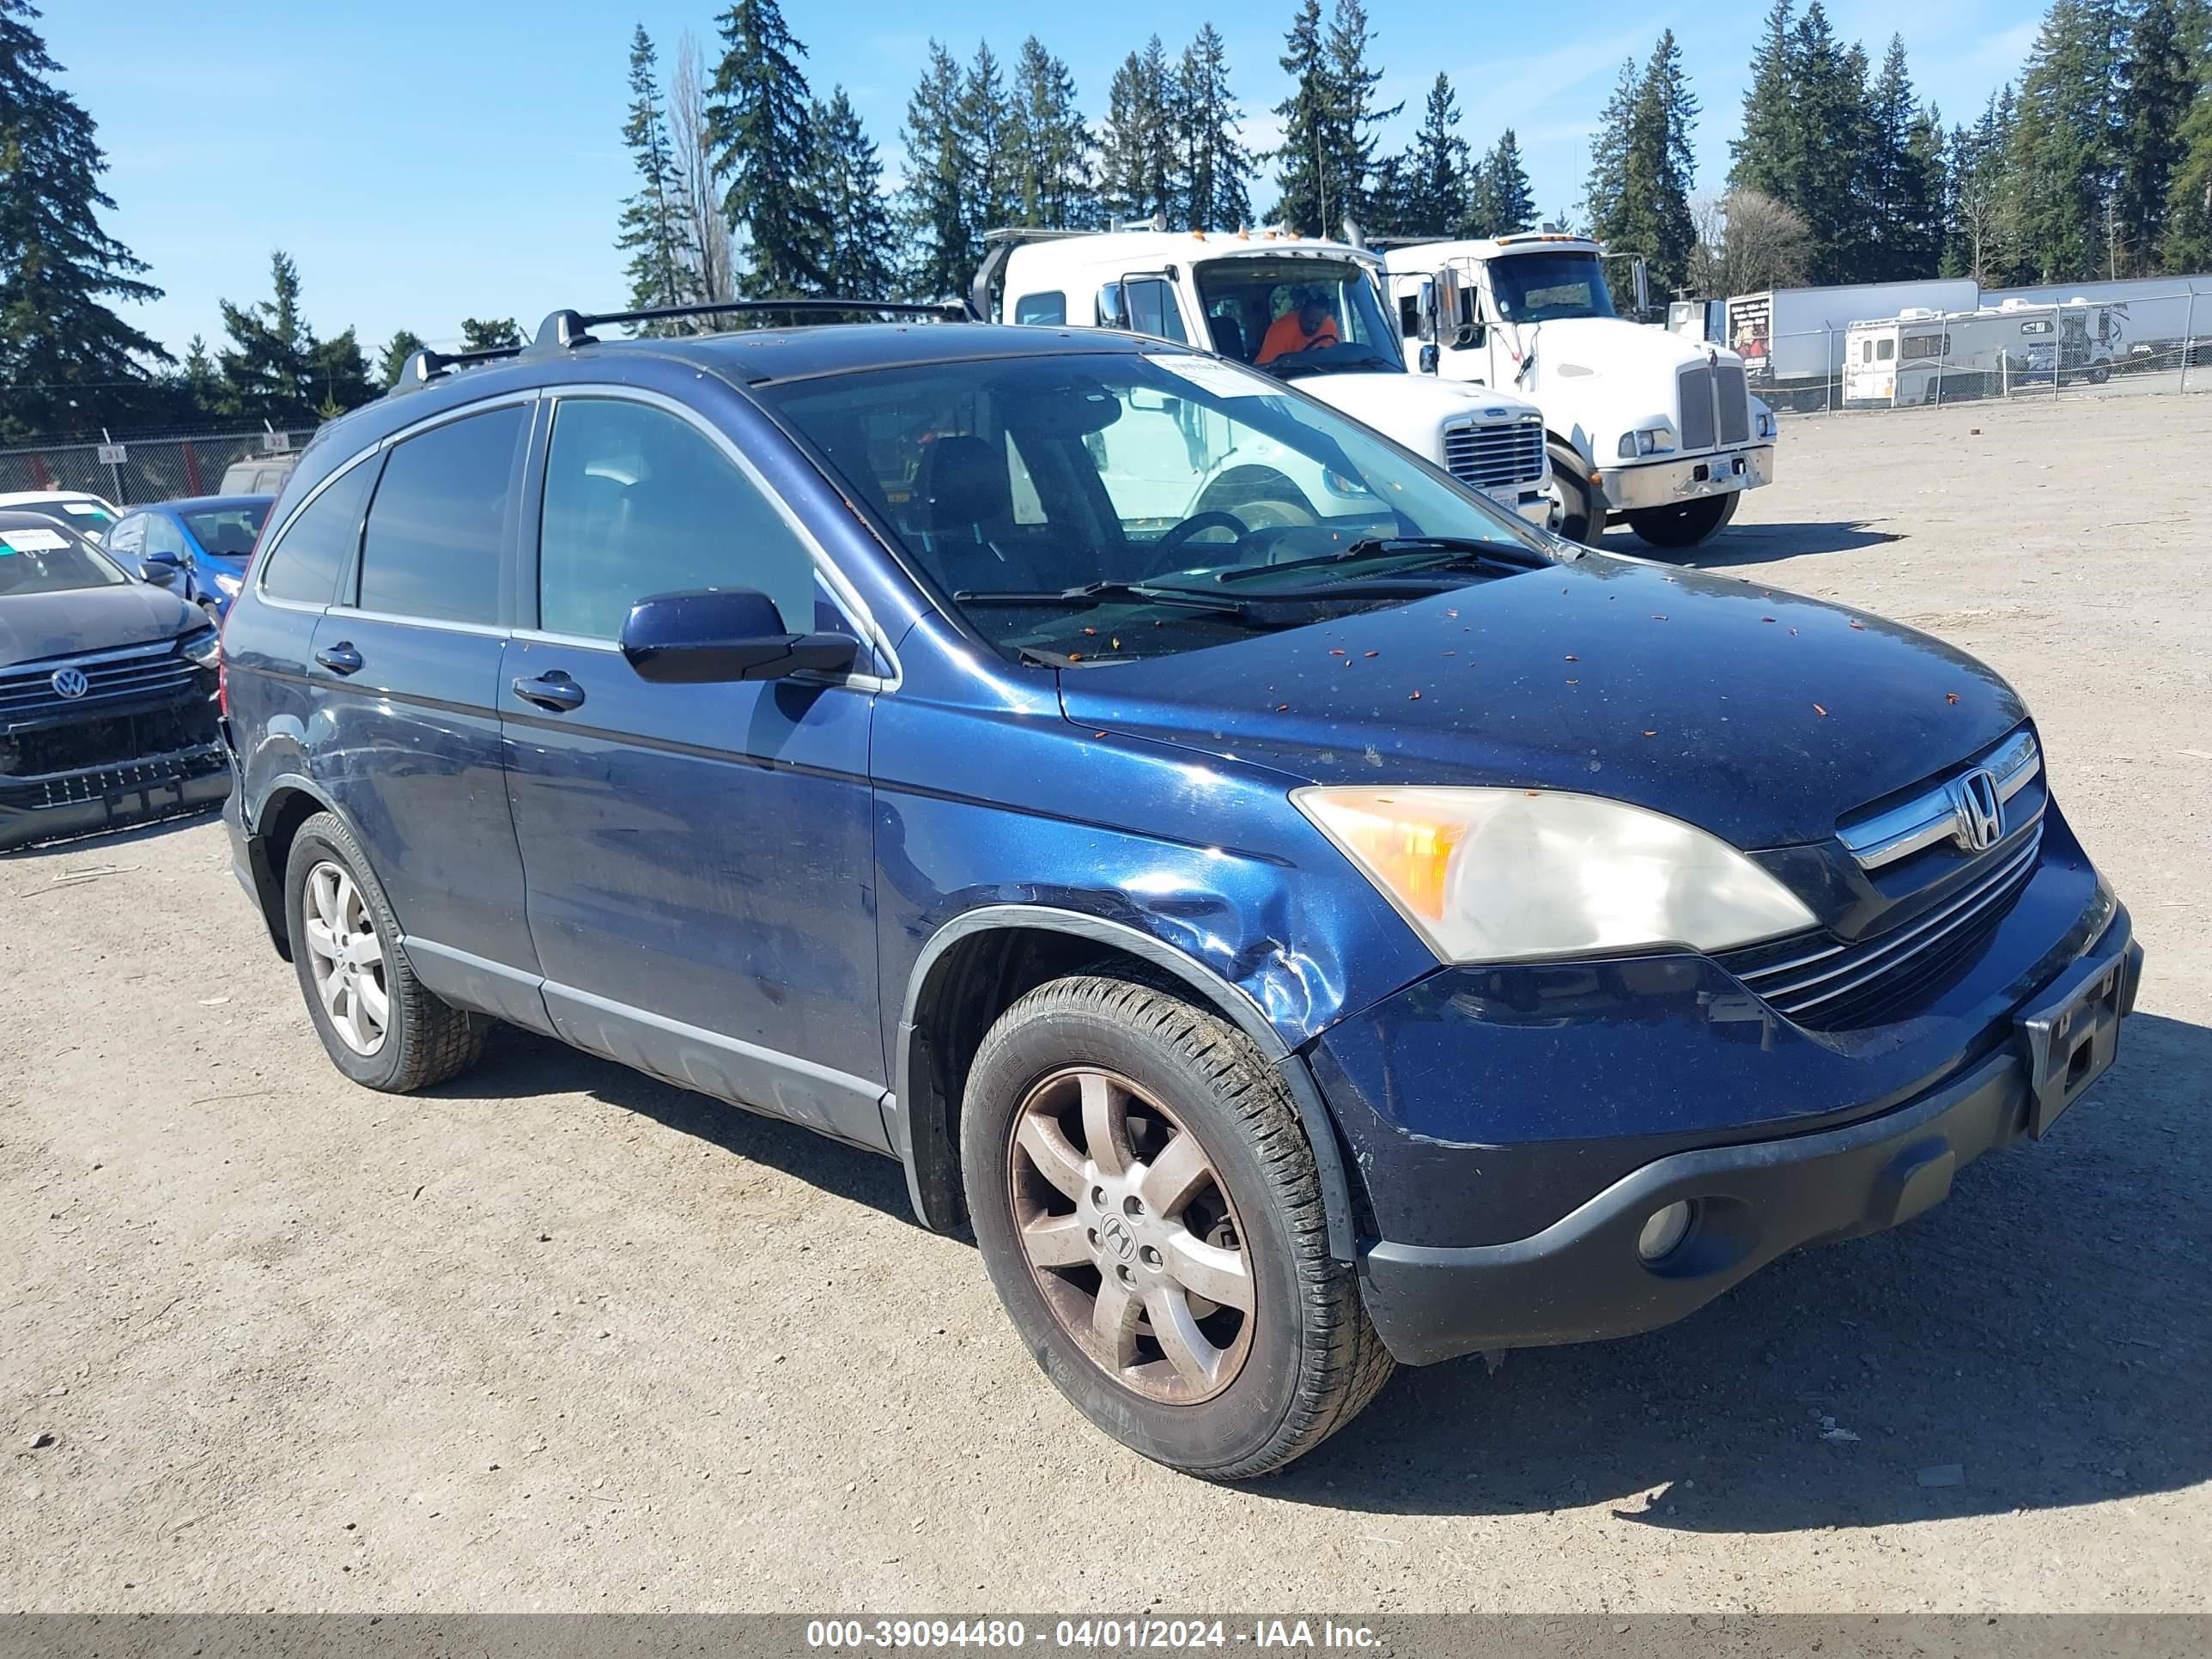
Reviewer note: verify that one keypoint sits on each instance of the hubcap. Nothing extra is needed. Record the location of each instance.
(345, 958)
(1131, 1236)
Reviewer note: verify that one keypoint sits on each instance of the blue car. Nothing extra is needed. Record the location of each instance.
(196, 547)
(1301, 918)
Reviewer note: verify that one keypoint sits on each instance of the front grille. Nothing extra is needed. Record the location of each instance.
(141, 673)
(1734, 401)
(101, 783)
(1497, 457)
(1693, 390)
(1825, 984)
(113, 741)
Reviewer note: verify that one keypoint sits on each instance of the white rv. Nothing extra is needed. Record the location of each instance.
(1791, 339)
(1308, 311)
(1926, 357)
(1641, 424)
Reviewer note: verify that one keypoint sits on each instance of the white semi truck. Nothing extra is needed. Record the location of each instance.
(1641, 424)
(1309, 310)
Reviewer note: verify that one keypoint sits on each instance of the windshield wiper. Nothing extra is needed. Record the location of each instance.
(1457, 549)
(1093, 594)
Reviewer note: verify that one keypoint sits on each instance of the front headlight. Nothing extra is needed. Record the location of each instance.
(1767, 425)
(1647, 441)
(1490, 875)
(227, 584)
(205, 647)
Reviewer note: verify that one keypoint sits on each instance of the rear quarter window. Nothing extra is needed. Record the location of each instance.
(437, 529)
(318, 546)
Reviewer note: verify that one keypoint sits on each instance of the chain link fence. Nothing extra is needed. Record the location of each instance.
(139, 470)
(2160, 343)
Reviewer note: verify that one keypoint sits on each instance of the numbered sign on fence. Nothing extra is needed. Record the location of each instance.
(276, 443)
(114, 454)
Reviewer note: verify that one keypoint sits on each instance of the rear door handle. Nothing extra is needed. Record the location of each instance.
(555, 691)
(340, 659)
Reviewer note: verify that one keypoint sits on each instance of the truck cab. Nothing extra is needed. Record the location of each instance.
(1641, 424)
(1308, 311)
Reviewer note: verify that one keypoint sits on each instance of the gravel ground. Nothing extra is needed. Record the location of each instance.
(559, 1337)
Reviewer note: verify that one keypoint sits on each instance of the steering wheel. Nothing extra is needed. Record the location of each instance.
(1210, 520)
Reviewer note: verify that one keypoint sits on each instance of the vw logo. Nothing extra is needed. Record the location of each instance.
(1114, 1233)
(69, 683)
(1980, 814)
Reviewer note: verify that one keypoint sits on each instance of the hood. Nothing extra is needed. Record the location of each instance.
(1609, 346)
(34, 626)
(1755, 715)
(1412, 408)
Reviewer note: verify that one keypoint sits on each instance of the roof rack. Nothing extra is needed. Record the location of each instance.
(425, 364)
(562, 329)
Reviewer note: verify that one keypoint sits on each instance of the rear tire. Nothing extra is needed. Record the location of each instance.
(1578, 506)
(1681, 527)
(378, 1025)
(1090, 1086)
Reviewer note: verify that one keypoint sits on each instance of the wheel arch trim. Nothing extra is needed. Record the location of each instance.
(924, 1140)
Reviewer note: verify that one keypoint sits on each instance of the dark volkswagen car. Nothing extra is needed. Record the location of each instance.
(1297, 915)
(107, 691)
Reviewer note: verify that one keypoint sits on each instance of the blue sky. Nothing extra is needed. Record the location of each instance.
(423, 162)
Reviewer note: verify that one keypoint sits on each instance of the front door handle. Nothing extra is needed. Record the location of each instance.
(340, 659)
(555, 691)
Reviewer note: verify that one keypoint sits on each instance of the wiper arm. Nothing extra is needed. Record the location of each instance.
(1093, 594)
(1459, 549)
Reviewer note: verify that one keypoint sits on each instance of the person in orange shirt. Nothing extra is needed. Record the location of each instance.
(1306, 329)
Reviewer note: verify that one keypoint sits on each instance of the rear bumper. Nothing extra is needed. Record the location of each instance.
(1631, 486)
(60, 805)
(1581, 1278)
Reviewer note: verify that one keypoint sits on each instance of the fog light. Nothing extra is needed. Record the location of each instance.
(1663, 1231)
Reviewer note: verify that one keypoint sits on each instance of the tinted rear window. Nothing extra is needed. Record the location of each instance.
(318, 544)
(438, 526)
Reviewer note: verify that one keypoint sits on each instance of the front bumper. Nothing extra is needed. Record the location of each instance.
(56, 806)
(1581, 1278)
(1633, 486)
(1530, 501)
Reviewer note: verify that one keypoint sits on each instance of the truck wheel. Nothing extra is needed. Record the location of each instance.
(380, 1027)
(1148, 1206)
(2101, 374)
(1578, 507)
(1681, 527)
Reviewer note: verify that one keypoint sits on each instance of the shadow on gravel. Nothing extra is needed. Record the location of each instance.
(2040, 1340)
(518, 1064)
(1761, 544)
(108, 840)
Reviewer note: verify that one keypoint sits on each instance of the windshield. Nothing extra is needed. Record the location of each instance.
(228, 532)
(1292, 316)
(1086, 507)
(89, 518)
(46, 560)
(1542, 288)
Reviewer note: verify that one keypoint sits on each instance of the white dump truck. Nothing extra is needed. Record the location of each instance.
(1930, 356)
(1641, 424)
(1308, 311)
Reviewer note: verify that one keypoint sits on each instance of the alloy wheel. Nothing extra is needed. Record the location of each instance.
(1131, 1236)
(345, 958)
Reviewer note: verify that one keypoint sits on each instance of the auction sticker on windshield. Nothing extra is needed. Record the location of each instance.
(32, 541)
(1210, 374)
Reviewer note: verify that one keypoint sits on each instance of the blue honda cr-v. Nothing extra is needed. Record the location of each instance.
(1297, 915)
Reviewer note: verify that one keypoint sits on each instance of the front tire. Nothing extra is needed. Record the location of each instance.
(378, 1025)
(1681, 527)
(1149, 1211)
(1578, 506)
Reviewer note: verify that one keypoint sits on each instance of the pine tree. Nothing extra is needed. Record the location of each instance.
(1643, 166)
(2153, 106)
(986, 125)
(1300, 170)
(338, 376)
(1925, 225)
(2062, 161)
(489, 333)
(1602, 195)
(60, 344)
(1049, 144)
(1900, 185)
(1769, 154)
(203, 378)
(402, 344)
(1440, 182)
(2187, 245)
(1350, 156)
(940, 236)
(268, 372)
(1505, 202)
(762, 144)
(1137, 166)
(653, 220)
(848, 183)
(1215, 165)
(1978, 243)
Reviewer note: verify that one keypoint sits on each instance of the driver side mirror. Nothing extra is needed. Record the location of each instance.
(161, 568)
(719, 636)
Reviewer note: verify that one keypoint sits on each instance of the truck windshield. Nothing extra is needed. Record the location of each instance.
(1543, 288)
(1089, 507)
(1295, 316)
